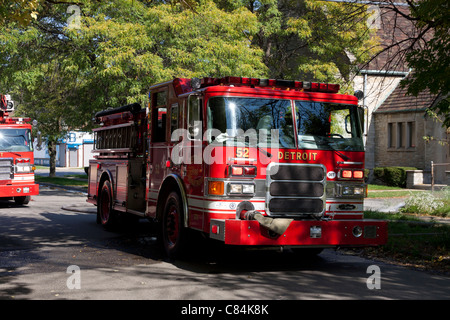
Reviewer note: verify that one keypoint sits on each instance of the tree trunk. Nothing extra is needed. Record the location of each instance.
(52, 154)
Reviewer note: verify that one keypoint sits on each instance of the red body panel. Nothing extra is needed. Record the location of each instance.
(334, 233)
(7, 191)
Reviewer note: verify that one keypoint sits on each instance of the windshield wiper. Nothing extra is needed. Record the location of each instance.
(328, 143)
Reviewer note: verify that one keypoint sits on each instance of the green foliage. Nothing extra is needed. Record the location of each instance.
(18, 11)
(430, 53)
(312, 39)
(62, 74)
(392, 176)
(119, 49)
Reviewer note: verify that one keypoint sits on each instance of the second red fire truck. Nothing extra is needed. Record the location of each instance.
(246, 161)
(16, 156)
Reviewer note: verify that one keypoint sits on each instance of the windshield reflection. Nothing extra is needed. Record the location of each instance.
(319, 125)
(15, 140)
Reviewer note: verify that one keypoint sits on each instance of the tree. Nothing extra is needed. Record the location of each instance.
(62, 75)
(430, 55)
(18, 11)
(311, 39)
(424, 46)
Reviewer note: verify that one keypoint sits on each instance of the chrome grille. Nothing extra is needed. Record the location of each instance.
(295, 190)
(6, 169)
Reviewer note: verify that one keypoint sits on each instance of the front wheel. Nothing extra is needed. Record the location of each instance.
(22, 200)
(307, 252)
(173, 232)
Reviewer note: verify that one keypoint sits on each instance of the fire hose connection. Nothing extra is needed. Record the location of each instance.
(279, 225)
(246, 211)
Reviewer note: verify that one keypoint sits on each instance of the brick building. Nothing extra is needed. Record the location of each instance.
(395, 124)
(405, 135)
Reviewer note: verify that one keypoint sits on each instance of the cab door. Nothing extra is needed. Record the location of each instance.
(158, 145)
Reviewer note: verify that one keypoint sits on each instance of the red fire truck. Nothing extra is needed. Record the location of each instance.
(16, 156)
(254, 162)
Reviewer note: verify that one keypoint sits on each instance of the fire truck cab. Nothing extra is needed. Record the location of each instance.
(246, 161)
(16, 156)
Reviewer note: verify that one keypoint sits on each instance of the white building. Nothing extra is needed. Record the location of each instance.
(74, 151)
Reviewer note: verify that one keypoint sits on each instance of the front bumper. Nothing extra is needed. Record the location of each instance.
(301, 233)
(19, 190)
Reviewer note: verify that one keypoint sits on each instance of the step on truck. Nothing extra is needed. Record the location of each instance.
(245, 161)
(16, 155)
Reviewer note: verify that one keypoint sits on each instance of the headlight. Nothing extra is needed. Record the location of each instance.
(240, 188)
(23, 169)
(235, 188)
(350, 190)
(358, 191)
(347, 191)
(248, 188)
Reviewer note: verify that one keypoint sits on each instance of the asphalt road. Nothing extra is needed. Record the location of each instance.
(48, 252)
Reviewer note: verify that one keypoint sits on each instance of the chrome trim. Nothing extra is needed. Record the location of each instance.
(242, 159)
(350, 162)
(269, 181)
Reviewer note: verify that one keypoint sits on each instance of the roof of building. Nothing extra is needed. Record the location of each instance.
(400, 101)
(396, 34)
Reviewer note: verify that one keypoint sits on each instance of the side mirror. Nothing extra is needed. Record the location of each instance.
(194, 124)
(347, 120)
(361, 118)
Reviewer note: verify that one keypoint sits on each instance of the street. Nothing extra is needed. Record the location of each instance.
(53, 249)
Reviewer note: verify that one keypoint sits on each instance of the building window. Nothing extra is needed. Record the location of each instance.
(391, 135)
(400, 135)
(410, 135)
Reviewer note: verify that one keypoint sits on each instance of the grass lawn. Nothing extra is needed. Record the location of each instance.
(412, 242)
(378, 191)
(64, 181)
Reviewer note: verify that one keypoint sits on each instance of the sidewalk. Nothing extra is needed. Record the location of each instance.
(384, 204)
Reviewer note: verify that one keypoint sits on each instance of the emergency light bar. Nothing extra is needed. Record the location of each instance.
(185, 85)
(275, 83)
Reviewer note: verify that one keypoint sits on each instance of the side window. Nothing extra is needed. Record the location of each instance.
(159, 116)
(340, 124)
(194, 117)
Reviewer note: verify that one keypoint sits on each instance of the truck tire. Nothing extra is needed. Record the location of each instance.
(22, 200)
(106, 216)
(307, 252)
(174, 234)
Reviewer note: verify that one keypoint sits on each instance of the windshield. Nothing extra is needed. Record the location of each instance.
(328, 126)
(261, 120)
(15, 140)
(320, 125)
